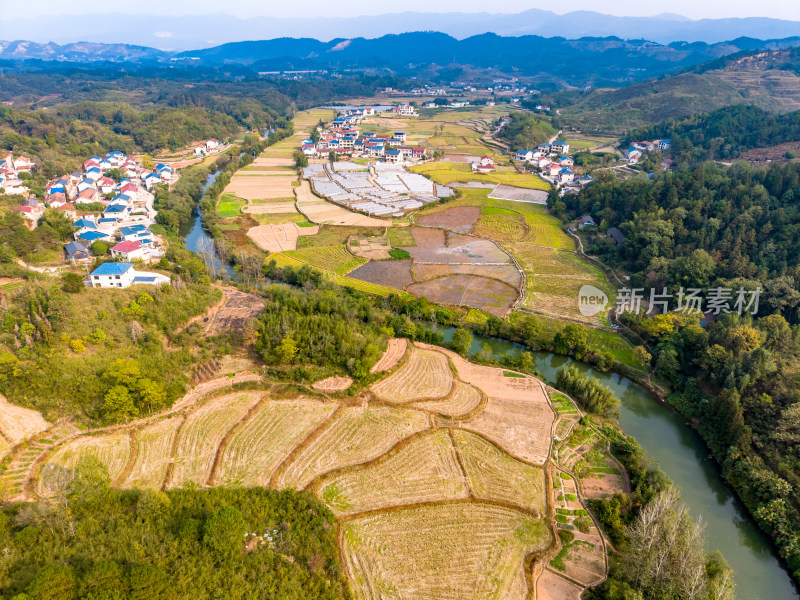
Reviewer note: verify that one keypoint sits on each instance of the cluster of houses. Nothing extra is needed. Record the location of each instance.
(208, 147)
(93, 185)
(636, 150)
(552, 162)
(11, 168)
(123, 224)
(344, 138)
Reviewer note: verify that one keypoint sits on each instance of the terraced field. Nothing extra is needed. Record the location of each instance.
(443, 552)
(426, 374)
(440, 458)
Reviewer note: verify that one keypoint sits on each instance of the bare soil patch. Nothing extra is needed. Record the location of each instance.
(459, 218)
(280, 237)
(255, 187)
(486, 294)
(263, 161)
(391, 273)
(394, 352)
(517, 416)
(17, 423)
(775, 153)
(551, 586)
(333, 384)
(509, 192)
(374, 247)
(235, 312)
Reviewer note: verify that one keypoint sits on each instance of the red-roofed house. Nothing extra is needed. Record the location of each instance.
(129, 250)
(87, 196)
(31, 214)
(69, 210)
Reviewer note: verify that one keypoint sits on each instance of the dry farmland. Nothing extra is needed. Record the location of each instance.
(425, 374)
(457, 470)
(442, 552)
(460, 402)
(235, 311)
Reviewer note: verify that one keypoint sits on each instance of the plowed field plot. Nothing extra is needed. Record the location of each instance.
(463, 399)
(494, 475)
(201, 435)
(17, 423)
(460, 218)
(236, 311)
(395, 350)
(257, 186)
(114, 450)
(280, 237)
(493, 296)
(506, 273)
(255, 449)
(356, 435)
(425, 375)
(426, 237)
(517, 417)
(445, 552)
(391, 273)
(509, 192)
(153, 454)
(460, 249)
(423, 470)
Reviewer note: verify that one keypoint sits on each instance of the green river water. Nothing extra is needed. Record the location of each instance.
(684, 457)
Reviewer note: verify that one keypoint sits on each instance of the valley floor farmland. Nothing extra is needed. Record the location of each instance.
(419, 469)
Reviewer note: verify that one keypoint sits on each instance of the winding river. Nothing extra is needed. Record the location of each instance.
(683, 456)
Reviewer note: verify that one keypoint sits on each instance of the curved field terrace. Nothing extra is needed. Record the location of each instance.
(437, 473)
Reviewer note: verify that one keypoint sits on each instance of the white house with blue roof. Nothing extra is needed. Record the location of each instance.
(123, 275)
(116, 211)
(136, 233)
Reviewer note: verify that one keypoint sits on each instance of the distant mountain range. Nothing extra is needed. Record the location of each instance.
(200, 31)
(552, 63)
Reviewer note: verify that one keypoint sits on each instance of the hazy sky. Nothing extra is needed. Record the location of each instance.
(695, 9)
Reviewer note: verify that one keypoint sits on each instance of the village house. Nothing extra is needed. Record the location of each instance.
(129, 250)
(565, 175)
(123, 275)
(89, 236)
(484, 165)
(523, 155)
(136, 233)
(76, 252)
(559, 147)
(31, 213)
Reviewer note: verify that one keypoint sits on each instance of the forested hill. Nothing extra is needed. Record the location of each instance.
(716, 227)
(769, 80)
(722, 134)
(526, 131)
